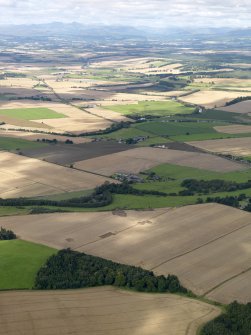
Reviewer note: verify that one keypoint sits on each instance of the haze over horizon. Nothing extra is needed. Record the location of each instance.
(140, 13)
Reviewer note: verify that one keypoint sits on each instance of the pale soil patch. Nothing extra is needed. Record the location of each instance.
(141, 159)
(193, 242)
(101, 310)
(243, 107)
(234, 129)
(211, 98)
(22, 176)
(233, 146)
(18, 82)
(34, 136)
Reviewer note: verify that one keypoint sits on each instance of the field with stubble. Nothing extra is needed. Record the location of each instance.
(141, 159)
(101, 310)
(193, 242)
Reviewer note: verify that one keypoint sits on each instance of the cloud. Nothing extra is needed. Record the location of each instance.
(159, 13)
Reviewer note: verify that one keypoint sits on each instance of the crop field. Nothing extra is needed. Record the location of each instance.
(234, 129)
(154, 240)
(19, 263)
(243, 107)
(22, 176)
(211, 98)
(232, 146)
(31, 137)
(141, 159)
(31, 113)
(153, 108)
(107, 310)
(9, 143)
(66, 154)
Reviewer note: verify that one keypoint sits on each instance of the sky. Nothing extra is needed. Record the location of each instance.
(151, 13)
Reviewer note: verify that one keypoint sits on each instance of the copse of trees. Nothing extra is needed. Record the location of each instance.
(72, 269)
(236, 321)
(6, 234)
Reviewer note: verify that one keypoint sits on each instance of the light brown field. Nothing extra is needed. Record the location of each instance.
(141, 159)
(233, 146)
(193, 242)
(101, 310)
(107, 114)
(225, 81)
(36, 136)
(243, 107)
(76, 120)
(210, 98)
(234, 129)
(22, 176)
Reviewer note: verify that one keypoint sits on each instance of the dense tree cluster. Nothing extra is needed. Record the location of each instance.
(236, 321)
(211, 186)
(71, 269)
(7, 234)
(232, 201)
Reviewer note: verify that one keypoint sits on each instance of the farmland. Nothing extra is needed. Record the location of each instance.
(19, 263)
(107, 310)
(140, 238)
(131, 148)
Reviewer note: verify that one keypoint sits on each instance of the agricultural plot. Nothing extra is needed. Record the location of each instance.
(234, 129)
(203, 257)
(52, 116)
(20, 262)
(211, 98)
(231, 146)
(66, 154)
(17, 144)
(26, 177)
(31, 137)
(106, 310)
(243, 107)
(141, 159)
(157, 108)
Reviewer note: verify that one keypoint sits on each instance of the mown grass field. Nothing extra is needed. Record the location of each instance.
(19, 263)
(31, 113)
(154, 108)
(10, 143)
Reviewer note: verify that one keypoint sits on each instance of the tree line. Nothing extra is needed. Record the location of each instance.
(72, 269)
(6, 234)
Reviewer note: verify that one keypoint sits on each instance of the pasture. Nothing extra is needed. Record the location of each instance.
(203, 257)
(19, 263)
(155, 108)
(101, 310)
(31, 113)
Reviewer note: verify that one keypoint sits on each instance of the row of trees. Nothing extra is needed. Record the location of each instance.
(236, 100)
(71, 269)
(212, 186)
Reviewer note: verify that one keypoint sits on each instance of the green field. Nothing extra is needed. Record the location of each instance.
(10, 143)
(19, 263)
(154, 108)
(31, 113)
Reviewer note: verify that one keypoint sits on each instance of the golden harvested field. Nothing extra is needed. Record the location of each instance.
(234, 129)
(243, 107)
(26, 177)
(101, 310)
(36, 136)
(141, 159)
(225, 81)
(107, 114)
(210, 98)
(193, 242)
(233, 146)
(76, 120)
